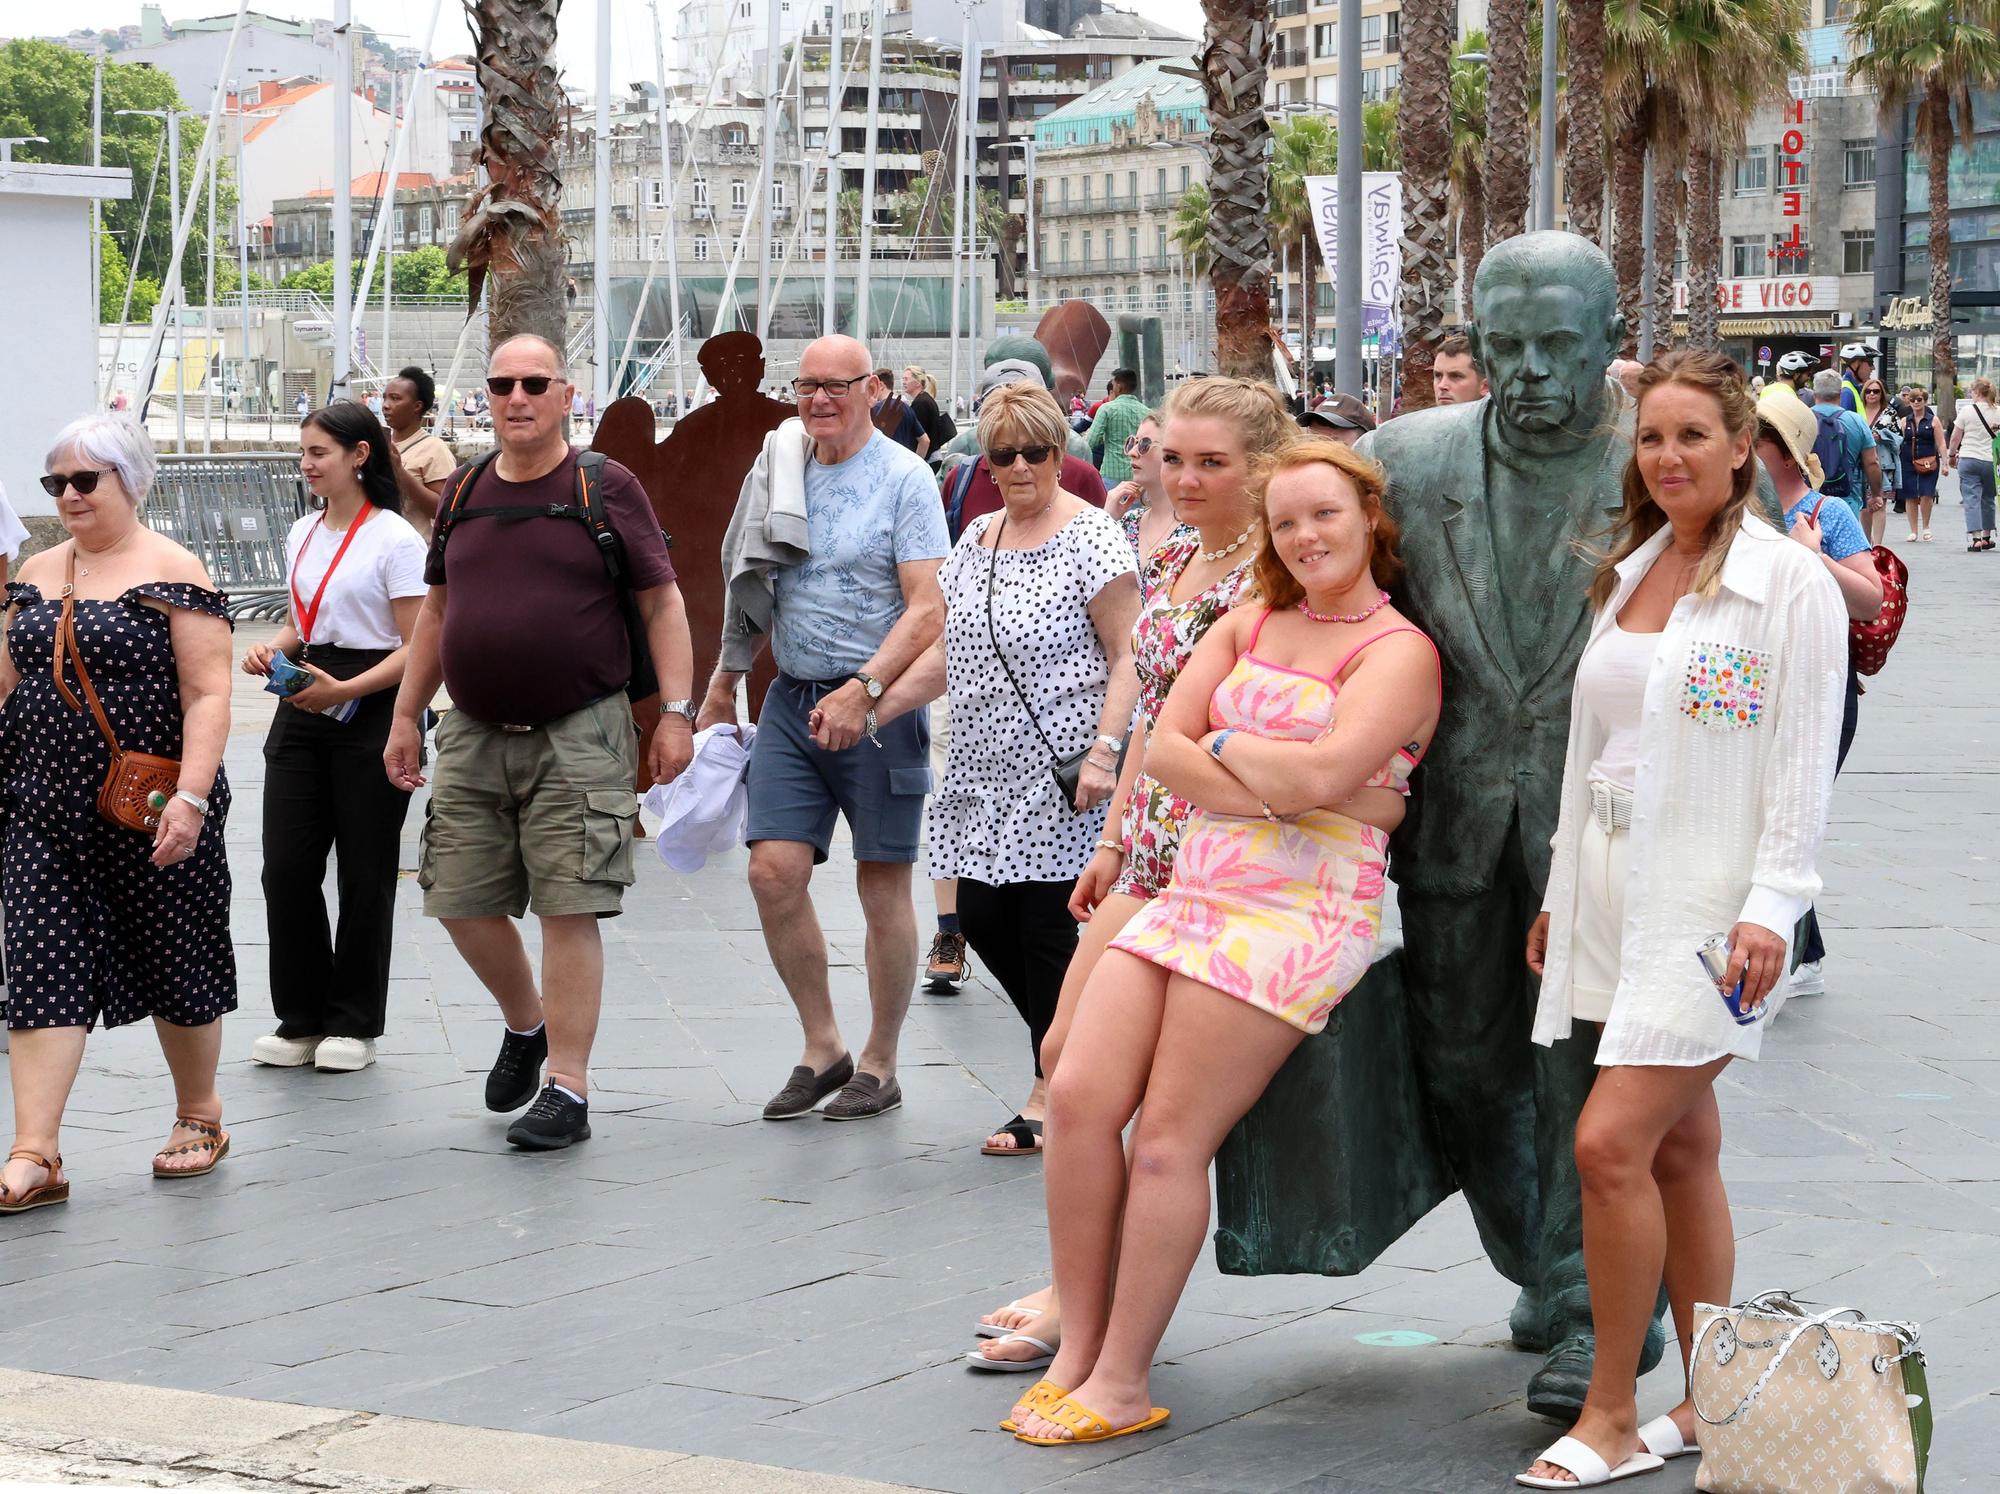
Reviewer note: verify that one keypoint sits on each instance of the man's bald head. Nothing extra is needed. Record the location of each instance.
(509, 352)
(836, 357)
(840, 424)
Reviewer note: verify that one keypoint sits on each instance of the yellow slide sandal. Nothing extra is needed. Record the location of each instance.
(1087, 1426)
(1042, 1394)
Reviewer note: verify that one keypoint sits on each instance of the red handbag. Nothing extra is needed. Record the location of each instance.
(1869, 642)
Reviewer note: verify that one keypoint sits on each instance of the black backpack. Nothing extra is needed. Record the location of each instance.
(587, 508)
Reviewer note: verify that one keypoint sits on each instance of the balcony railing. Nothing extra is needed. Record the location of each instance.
(1285, 8)
(1288, 57)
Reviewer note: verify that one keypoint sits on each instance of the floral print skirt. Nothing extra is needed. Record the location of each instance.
(1151, 833)
(1282, 914)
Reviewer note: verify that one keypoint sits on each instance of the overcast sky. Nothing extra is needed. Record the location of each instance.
(631, 22)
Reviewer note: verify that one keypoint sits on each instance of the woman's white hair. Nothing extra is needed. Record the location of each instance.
(113, 441)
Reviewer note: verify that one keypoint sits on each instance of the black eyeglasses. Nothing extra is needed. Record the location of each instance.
(832, 388)
(85, 482)
(1138, 445)
(1004, 457)
(535, 384)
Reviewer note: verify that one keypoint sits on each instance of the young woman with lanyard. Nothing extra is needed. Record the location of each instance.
(356, 569)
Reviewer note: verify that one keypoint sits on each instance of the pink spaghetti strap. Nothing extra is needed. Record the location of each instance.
(1334, 678)
(1257, 631)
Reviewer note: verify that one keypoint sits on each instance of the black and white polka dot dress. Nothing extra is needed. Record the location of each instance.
(95, 931)
(999, 816)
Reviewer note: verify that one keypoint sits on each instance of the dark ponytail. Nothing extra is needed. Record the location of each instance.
(350, 423)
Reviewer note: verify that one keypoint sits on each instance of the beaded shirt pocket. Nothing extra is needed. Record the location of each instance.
(1725, 685)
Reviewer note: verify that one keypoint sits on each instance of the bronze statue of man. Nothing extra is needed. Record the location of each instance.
(1492, 497)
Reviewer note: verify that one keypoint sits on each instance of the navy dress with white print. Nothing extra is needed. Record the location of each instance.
(95, 931)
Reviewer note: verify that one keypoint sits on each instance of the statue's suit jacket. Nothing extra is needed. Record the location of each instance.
(1497, 756)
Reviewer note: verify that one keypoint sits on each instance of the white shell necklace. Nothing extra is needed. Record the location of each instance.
(1232, 547)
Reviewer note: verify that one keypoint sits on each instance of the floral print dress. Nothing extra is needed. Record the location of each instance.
(1162, 640)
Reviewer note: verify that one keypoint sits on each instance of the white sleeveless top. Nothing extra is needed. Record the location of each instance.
(1611, 683)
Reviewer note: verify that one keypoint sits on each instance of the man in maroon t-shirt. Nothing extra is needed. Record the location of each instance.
(532, 796)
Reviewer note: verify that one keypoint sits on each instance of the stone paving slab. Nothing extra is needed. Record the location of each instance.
(694, 1281)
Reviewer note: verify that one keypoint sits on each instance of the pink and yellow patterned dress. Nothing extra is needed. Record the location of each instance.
(1282, 914)
(1162, 640)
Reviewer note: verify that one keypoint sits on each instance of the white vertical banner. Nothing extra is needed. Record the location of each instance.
(1381, 240)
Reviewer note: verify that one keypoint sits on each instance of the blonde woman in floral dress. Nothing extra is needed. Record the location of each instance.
(1216, 437)
(1291, 731)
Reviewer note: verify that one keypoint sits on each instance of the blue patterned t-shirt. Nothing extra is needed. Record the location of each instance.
(864, 517)
(1840, 533)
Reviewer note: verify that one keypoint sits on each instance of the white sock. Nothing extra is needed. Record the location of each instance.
(530, 1032)
(564, 1088)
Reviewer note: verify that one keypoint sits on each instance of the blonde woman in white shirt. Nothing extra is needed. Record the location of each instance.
(1703, 733)
(1971, 453)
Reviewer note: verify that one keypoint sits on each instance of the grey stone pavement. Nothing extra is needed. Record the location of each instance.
(698, 1281)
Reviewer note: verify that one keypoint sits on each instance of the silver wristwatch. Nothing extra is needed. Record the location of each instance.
(682, 707)
(200, 804)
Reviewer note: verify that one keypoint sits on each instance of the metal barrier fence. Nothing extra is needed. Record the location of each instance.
(234, 512)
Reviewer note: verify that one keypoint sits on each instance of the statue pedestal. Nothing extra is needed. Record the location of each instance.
(1340, 1157)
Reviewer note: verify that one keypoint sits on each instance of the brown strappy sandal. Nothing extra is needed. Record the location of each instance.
(52, 1190)
(210, 1138)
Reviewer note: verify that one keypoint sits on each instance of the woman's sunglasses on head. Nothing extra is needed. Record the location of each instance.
(535, 384)
(1003, 457)
(85, 482)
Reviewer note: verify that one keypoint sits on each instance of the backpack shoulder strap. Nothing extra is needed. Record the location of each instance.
(456, 487)
(589, 488)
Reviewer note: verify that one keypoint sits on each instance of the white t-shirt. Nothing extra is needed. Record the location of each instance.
(1611, 682)
(385, 562)
(1976, 445)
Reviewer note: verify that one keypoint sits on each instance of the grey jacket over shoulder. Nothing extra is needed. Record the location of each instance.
(766, 533)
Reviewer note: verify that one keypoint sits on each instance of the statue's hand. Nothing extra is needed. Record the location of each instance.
(1538, 942)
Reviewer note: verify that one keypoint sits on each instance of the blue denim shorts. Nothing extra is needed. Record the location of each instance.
(797, 790)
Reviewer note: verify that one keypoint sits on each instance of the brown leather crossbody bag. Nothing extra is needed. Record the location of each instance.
(138, 785)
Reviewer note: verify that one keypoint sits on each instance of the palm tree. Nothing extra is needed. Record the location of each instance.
(511, 230)
(1302, 145)
(1934, 52)
(1380, 149)
(1635, 112)
(1189, 231)
(1234, 61)
(1507, 111)
(1423, 131)
(1583, 155)
(1468, 157)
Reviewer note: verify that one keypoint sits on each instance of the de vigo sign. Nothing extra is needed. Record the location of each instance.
(1810, 293)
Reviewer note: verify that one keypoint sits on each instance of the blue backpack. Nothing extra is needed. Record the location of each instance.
(1830, 446)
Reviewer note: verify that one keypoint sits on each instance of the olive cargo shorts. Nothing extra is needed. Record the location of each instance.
(538, 819)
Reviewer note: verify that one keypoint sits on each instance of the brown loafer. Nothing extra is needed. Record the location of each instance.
(805, 1089)
(864, 1098)
(53, 1189)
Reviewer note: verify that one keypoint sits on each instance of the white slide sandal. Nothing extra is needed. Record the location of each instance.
(994, 1330)
(1014, 1366)
(1590, 1470)
(1662, 1437)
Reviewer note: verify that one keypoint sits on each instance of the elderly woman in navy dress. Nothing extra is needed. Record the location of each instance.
(105, 923)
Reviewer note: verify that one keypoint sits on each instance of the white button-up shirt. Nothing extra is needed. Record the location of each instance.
(1737, 744)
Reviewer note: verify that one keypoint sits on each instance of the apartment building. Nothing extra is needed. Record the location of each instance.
(424, 210)
(1305, 61)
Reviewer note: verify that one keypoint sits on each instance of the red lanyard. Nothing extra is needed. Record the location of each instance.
(307, 615)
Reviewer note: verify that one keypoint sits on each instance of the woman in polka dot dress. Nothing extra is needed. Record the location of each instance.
(105, 923)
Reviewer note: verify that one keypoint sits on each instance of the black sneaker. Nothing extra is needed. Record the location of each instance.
(517, 1073)
(553, 1122)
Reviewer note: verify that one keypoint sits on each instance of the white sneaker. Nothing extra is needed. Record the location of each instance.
(344, 1055)
(284, 1052)
(1809, 980)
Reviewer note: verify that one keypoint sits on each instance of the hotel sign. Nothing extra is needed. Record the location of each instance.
(1770, 296)
(1908, 314)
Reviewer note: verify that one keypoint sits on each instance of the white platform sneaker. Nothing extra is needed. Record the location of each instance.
(343, 1055)
(284, 1052)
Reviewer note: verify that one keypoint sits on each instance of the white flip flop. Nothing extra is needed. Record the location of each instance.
(1014, 1366)
(1662, 1437)
(994, 1330)
(1590, 1469)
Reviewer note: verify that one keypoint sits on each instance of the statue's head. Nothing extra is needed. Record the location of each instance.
(1027, 350)
(1545, 327)
(733, 362)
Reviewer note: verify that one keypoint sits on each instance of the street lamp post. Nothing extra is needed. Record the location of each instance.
(1545, 186)
(1347, 317)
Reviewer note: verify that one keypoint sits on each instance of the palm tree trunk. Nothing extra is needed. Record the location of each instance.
(1628, 217)
(511, 231)
(1944, 347)
(1471, 236)
(1666, 249)
(1506, 120)
(1233, 66)
(1423, 133)
(1583, 155)
(1704, 247)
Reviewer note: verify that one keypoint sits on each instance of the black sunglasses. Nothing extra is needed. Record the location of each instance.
(1138, 445)
(1004, 457)
(85, 482)
(535, 384)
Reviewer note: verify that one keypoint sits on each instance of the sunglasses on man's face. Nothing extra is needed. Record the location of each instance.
(1138, 445)
(536, 385)
(1003, 458)
(85, 482)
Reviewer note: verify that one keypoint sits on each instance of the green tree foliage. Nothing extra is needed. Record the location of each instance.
(421, 272)
(45, 90)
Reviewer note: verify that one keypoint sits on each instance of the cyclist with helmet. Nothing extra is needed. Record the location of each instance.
(1857, 362)
(1794, 378)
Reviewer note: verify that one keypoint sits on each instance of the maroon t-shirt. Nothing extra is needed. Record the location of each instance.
(532, 624)
(983, 496)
